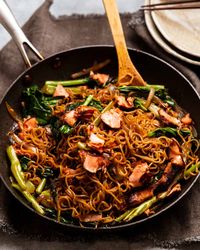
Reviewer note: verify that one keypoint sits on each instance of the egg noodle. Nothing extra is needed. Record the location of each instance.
(115, 157)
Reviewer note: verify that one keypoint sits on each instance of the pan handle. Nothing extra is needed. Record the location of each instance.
(9, 22)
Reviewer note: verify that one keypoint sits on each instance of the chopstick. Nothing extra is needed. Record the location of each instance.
(172, 5)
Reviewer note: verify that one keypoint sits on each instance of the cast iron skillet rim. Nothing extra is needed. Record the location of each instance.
(105, 228)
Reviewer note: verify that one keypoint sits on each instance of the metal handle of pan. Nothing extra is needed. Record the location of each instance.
(9, 22)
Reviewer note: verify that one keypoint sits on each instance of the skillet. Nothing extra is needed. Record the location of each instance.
(153, 69)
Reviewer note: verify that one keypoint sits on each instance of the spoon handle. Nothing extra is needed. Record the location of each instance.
(127, 70)
(116, 29)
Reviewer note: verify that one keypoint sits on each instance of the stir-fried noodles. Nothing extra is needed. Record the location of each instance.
(98, 153)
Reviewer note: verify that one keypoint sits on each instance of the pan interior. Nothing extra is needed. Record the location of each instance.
(62, 65)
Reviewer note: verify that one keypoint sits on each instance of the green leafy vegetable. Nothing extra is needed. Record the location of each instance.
(168, 131)
(58, 128)
(139, 103)
(164, 96)
(52, 213)
(55, 124)
(74, 106)
(87, 102)
(46, 172)
(24, 162)
(96, 104)
(160, 91)
(66, 129)
(37, 104)
(93, 103)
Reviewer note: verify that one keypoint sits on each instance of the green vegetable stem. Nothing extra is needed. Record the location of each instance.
(88, 100)
(16, 167)
(146, 88)
(160, 91)
(192, 170)
(50, 86)
(41, 186)
(30, 198)
(107, 108)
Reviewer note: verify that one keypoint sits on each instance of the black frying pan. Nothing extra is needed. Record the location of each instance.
(153, 70)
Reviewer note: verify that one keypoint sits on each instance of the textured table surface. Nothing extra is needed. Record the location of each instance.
(22, 11)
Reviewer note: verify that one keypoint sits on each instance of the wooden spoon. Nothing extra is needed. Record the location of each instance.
(127, 73)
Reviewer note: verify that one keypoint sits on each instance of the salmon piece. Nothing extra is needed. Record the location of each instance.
(60, 91)
(174, 147)
(112, 118)
(70, 117)
(96, 142)
(30, 123)
(168, 119)
(175, 154)
(167, 177)
(186, 119)
(125, 103)
(80, 113)
(93, 163)
(141, 196)
(162, 184)
(139, 171)
(91, 218)
(176, 159)
(101, 79)
(85, 112)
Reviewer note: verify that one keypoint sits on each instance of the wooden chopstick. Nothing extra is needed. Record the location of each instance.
(171, 8)
(172, 5)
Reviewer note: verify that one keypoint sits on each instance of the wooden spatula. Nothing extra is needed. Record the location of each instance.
(127, 73)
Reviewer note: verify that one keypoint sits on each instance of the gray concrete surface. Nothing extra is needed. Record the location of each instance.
(23, 9)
